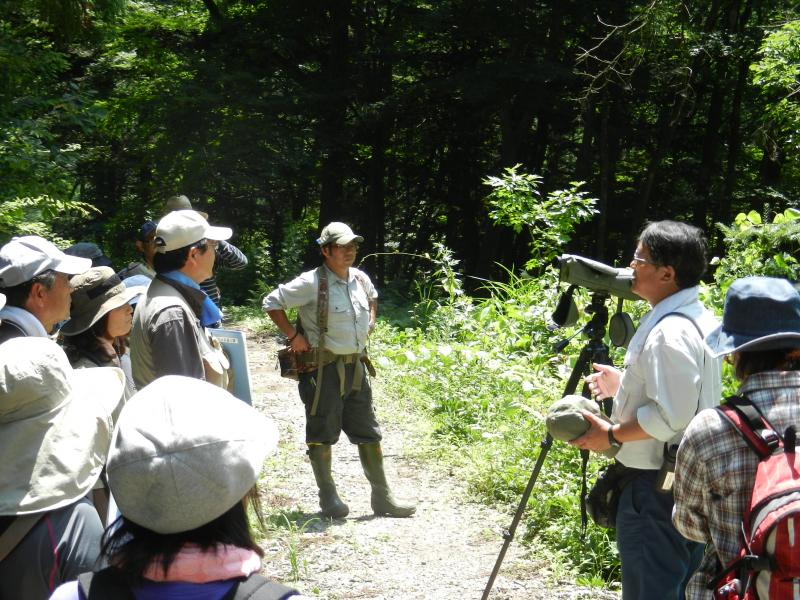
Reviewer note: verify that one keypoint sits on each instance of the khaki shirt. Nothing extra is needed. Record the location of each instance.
(348, 308)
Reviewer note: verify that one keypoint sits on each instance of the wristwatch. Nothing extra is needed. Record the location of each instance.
(611, 439)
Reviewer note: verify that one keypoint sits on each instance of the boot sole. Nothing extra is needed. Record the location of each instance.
(383, 513)
(341, 514)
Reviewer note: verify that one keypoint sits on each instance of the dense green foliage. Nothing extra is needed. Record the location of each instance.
(485, 371)
(278, 116)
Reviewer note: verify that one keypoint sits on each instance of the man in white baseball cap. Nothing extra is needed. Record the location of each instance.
(34, 277)
(169, 335)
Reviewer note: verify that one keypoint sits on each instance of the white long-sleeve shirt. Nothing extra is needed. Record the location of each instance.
(667, 385)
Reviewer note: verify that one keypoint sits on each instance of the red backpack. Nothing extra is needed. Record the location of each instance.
(768, 566)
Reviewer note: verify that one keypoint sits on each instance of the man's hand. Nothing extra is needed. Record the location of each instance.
(299, 343)
(596, 437)
(604, 383)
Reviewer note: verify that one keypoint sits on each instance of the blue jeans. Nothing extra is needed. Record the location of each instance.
(657, 561)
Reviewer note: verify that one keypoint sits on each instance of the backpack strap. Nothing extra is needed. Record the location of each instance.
(15, 530)
(257, 587)
(751, 425)
(108, 584)
(685, 316)
(322, 323)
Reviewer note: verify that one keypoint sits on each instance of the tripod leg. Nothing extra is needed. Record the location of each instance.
(572, 383)
(508, 535)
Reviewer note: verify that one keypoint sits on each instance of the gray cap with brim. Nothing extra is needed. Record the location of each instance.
(23, 258)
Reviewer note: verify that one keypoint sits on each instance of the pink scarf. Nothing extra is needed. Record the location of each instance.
(193, 565)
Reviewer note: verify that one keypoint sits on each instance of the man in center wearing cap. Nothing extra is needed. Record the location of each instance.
(34, 277)
(336, 393)
(228, 256)
(169, 335)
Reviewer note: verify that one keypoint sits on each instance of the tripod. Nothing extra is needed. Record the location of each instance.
(595, 350)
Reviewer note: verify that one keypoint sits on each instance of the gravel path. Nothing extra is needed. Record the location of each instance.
(446, 551)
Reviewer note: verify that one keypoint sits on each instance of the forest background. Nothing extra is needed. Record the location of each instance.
(451, 135)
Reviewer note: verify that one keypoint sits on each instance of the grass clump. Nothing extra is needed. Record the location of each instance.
(484, 372)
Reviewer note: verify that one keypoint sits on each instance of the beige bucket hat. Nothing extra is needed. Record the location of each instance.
(55, 425)
(95, 293)
(184, 453)
(181, 202)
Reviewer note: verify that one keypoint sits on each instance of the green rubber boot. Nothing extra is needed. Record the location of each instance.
(383, 503)
(329, 502)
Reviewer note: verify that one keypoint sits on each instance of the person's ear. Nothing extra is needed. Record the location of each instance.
(668, 274)
(37, 296)
(326, 251)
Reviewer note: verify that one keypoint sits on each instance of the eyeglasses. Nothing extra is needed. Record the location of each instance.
(643, 261)
(350, 246)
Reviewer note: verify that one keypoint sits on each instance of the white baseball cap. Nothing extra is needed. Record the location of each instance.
(23, 258)
(182, 228)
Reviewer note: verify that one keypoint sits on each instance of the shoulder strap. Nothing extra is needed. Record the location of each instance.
(700, 333)
(359, 277)
(107, 584)
(15, 531)
(257, 587)
(750, 424)
(322, 305)
(685, 316)
(322, 323)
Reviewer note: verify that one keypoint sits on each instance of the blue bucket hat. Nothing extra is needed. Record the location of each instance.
(761, 313)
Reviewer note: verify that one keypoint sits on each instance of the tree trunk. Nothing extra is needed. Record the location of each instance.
(332, 136)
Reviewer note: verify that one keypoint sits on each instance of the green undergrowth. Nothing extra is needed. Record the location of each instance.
(475, 376)
(484, 372)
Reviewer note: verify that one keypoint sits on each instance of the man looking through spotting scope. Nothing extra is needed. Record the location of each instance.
(667, 379)
(337, 306)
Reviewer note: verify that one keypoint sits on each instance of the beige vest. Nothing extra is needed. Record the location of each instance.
(161, 296)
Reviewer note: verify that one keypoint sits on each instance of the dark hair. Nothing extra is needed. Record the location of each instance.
(677, 245)
(750, 363)
(87, 343)
(174, 260)
(17, 295)
(132, 548)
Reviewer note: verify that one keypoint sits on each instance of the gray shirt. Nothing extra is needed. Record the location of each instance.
(164, 336)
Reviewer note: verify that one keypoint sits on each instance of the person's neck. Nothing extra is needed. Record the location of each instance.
(340, 273)
(191, 274)
(47, 324)
(662, 295)
(105, 345)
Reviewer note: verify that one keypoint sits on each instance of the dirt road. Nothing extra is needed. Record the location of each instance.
(445, 551)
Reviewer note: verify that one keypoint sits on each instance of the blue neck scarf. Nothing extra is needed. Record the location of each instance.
(209, 312)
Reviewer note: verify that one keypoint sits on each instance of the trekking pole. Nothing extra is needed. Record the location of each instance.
(594, 351)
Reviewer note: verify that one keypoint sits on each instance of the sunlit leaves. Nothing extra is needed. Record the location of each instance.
(548, 221)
